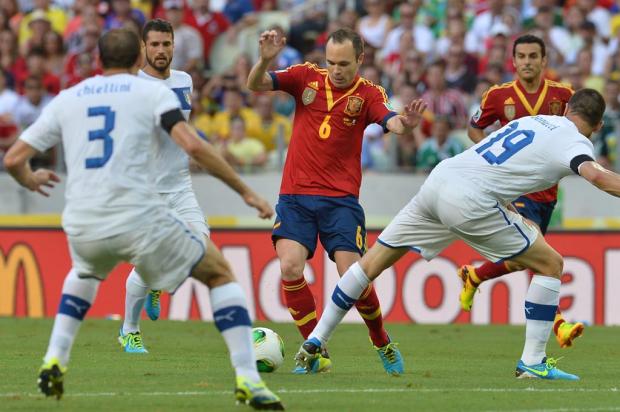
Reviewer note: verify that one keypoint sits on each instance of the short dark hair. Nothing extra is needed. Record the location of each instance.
(342, 35)
(157, 25)
(528, 39)
(119, 49)
(587, 104)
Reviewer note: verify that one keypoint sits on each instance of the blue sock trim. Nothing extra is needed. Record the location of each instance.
(342, 300)
(231, 317)
(73, 306)
(537, 311)
(315, 341)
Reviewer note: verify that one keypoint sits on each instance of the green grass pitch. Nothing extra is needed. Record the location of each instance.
(449, 367)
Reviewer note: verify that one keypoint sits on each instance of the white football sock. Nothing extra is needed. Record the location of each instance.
(347, 291)
(231, 317)
(136, 292)
(541, 305)
(77, 296)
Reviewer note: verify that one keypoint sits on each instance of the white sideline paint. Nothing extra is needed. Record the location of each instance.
(360, 390)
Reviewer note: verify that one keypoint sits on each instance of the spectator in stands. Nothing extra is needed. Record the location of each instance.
(8, 102)
(36, 67)
(233, 107)
(456, 29)
(606, 139)
(423, 38)
(585, 62)
(30, 105)
(575, 77)
(481, 27)
(598, 15)
(598, 49)
(461, 69)
(56, 16)
(273, 126)
(246, 153)
(375, 26)
(556, 38)
(8, 53)
(188, 47)
(209, 24)
(39, 25)
(54, 53)
(236, 10)
(439, 146)
(304, 33)
(573, 21)
(443, 101)
(89, 44)
(288, 56)
(79, 26)
(123, 14)
(84, 67)
(375, 153)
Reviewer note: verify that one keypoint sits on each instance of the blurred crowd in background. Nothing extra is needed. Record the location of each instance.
(447, 52)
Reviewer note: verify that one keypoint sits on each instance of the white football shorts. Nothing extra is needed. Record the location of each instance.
(164, 251)
(440, 214)
(185, 205)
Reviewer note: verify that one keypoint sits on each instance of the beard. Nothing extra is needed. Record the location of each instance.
(158, 64)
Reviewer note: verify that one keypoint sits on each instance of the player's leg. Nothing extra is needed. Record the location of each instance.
(541, 304)
(504, 234)
(232, 319)
(410, 229)
(472, 276)
(136, 292)
(173, 252)
(294, 236)
(92, 261)
(345, 295)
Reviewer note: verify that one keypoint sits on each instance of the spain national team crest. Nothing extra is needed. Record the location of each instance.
(354, 106)
(509, 108)
(308, 96)
(555, 107)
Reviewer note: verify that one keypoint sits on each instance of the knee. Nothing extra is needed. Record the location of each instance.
(554, 266)
(291, 269)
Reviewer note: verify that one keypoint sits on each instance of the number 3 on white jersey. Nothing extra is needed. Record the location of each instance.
(109, 117)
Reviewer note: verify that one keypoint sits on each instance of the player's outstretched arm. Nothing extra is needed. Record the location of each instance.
(209, 158)
(409, 120)
(475, 134)
(16, 162)
(600, 177)
(270, 44)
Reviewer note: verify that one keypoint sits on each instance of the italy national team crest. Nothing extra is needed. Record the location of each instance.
(354, 106)
(555, 107)
(308, 96)
(509, 108)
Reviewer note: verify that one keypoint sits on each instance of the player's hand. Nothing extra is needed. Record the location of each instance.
(265, 211)
(43, 178)
(412, 115)
(270, 44)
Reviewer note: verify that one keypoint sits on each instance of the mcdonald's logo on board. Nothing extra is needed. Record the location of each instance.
(20, 260)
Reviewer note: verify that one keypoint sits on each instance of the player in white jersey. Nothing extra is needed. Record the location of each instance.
(108, 126)
(468, 197)
(172, 176)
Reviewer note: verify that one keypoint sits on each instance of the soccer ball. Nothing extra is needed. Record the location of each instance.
(269, 349)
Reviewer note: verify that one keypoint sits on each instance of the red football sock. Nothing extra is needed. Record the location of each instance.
(490, 270)
(301, 305)
(370, 310)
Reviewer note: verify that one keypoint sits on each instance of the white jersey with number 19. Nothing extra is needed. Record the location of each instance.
(527, 155)
(108, 126)
(171, 162)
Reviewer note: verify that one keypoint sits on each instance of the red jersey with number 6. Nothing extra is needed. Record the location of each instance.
(324, 155)
(510, 101)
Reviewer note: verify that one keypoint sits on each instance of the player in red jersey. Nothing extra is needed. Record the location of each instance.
(322, 174)
(530, 94)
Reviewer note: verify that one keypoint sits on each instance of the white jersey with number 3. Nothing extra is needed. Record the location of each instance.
(171, 162)
(108, 126)
(527, 155)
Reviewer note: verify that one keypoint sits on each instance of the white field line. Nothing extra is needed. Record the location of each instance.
(327, 390)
